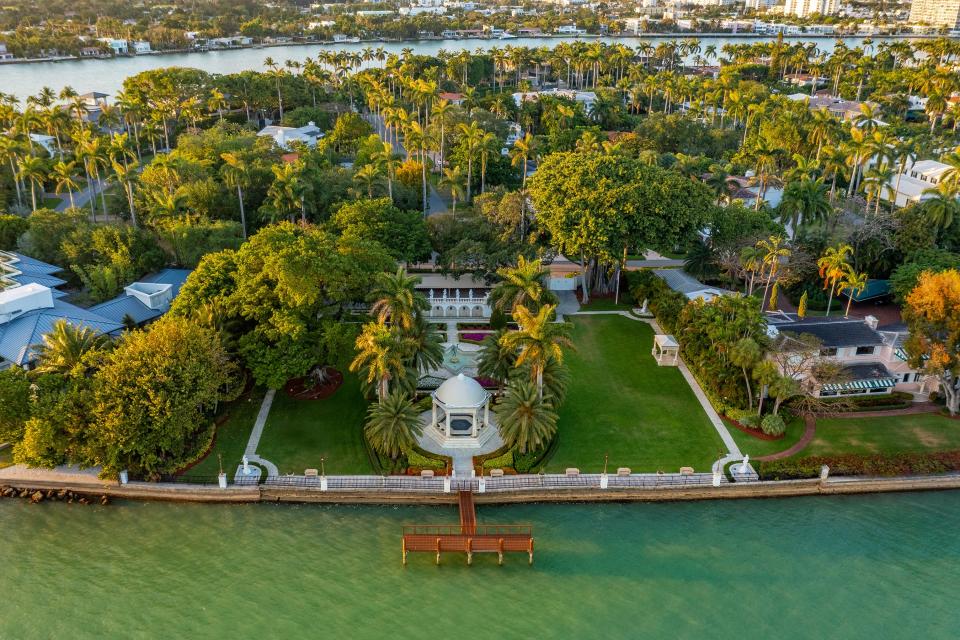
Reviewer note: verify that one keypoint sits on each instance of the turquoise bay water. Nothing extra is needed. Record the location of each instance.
(845, 567)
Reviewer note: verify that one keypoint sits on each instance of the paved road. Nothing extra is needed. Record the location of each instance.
(436, 203)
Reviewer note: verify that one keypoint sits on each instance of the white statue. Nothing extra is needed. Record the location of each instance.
(246, 465)
(643, 309)
(744, 465)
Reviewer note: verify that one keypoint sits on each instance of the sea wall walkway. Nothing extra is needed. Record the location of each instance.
(510, 489)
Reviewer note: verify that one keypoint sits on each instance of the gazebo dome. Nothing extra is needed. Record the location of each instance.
(461, 391)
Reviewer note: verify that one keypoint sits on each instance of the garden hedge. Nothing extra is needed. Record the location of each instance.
(896, 464)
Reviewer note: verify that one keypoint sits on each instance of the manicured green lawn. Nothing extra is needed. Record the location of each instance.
(299, 432)
(757, 447)
(620, 402)
(232, 436)
(888, 434)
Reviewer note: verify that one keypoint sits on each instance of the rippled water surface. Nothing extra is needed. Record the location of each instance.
(860, 567)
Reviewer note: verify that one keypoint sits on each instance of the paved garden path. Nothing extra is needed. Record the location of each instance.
(810, 430)
(254, 441)
(733, 451)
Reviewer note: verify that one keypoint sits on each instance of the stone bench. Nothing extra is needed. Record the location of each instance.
(572, 472)
(686, 471)
(426, 473)
(623, 471)
(311, 473)
(496, 473)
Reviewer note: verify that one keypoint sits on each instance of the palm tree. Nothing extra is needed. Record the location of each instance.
(495, 359)
(942, 206)
(64, 176)
(520, 154)
(453, 180)
(773, 252)
(470, 137)
(416, 137)
(66, 348)
(441, 115)
(853, 283)
(393, 425)
(388, 160)
(833, 265)
(804, 201)
(127, 175)
(33, 170)
(368, 175)
(396, 300)
(424, 342)
(236, 174)
(526, 419)
(522, 285)
(489, 145)
(745, 354)
(538, 340)
(380, 356)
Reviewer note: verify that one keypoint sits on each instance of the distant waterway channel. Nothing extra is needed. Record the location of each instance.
(106, 76)
(878, 566)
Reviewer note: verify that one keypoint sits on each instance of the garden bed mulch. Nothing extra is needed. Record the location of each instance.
(750, 431)
(303, 389)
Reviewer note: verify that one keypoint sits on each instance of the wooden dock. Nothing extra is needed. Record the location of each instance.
(468, 537)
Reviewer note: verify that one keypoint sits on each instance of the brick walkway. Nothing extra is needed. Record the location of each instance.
(809, 431)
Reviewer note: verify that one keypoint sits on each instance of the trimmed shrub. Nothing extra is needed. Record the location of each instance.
(746, 417)
(421, 459)
(504, 461)
(895, 464)
(880, 402)
(773, 425)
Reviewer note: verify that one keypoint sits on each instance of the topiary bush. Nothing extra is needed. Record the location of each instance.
(773, 425)
(746, 417)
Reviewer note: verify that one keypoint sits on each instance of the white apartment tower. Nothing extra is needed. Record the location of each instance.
(805, 8)
(942, 13)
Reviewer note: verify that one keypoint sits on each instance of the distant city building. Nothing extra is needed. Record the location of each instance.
(4, 54)
(806, 8)
(942, 13)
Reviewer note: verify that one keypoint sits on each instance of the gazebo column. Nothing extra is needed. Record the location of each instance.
(473, 423)
(433, 418)
(486, 413)
(446, 418)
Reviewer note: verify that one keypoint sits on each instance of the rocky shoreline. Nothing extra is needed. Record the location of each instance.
(36, 496)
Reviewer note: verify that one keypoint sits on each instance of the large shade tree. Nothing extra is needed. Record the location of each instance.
(933, 315)
(597, 207)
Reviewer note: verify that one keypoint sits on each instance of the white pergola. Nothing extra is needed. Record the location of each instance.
(460, 397)
(666, 350)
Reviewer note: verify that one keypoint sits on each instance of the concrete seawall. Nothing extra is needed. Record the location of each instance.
(778, 489)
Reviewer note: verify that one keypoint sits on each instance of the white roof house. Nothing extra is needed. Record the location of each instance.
(682, 282)
(912, 183)
(286, 136)
(586, 98)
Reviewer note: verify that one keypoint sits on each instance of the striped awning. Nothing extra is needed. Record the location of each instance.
(900, 353)
(861, 385)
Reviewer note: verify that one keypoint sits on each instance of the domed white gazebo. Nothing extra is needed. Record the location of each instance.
(461, 407)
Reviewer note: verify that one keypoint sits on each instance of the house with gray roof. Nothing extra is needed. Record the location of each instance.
(873, 358)
(682, 282)
(31, 304)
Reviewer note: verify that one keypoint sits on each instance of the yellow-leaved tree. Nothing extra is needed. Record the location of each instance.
(932, 314)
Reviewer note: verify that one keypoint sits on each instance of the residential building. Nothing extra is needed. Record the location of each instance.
(872, 358)
(452, 98)
(941, 13)
(49, 143)
(845, 110)
(31, 304)
(807, 8)
(140, 47)
(4, 54)
(570, 30)
(117, 45)
(682, 282)
(286, 136)
(909, 187)
(449, 297)
(586, 98)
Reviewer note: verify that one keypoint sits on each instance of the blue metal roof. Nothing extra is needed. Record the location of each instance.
(124, 305)
(39, 278)
(18, 337)
(874, 289)
(26, 264)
